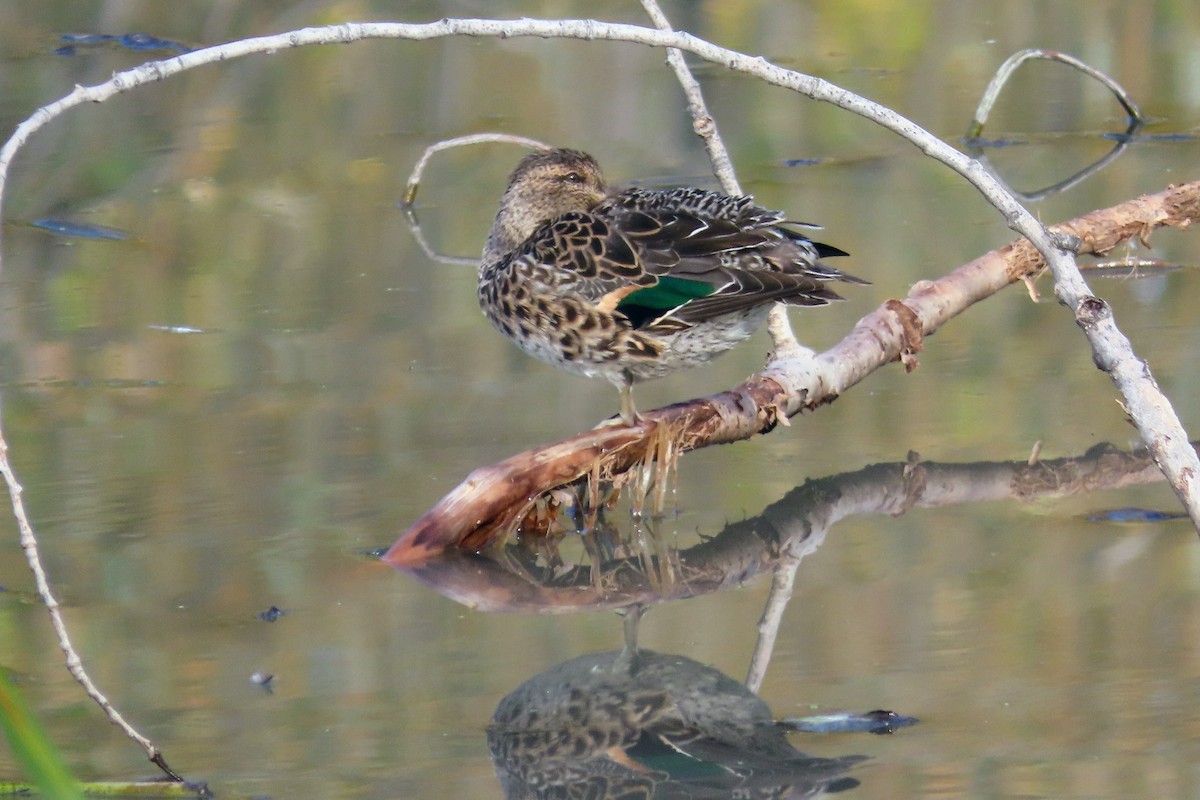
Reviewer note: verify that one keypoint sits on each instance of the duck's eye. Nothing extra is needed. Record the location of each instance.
(573, 177)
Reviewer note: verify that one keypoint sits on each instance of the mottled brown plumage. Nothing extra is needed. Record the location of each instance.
(645, 725)
(636, 284)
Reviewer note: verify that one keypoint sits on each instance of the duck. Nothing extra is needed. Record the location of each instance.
(633, 284)
(637, 725)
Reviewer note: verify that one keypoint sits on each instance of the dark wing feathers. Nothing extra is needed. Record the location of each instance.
(697, 255)
(751, 288)
(739, 210)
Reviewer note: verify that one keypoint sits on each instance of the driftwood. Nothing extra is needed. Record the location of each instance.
(494, 499)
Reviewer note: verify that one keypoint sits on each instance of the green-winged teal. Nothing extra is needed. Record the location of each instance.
(622, 726)
(635, 284)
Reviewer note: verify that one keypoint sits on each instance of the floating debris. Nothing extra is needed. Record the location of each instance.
(1136, 268)
(176, 329)
(878, 721)
(372, 554)
(108, 383)
(271, 614)
(81, 230)
(982, 143)
(137, 42)
(262, 679)
(1131, 514)
(1150, 137)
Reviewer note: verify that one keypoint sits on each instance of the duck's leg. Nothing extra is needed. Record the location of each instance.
(629, 414)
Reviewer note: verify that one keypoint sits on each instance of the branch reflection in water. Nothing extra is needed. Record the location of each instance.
(529, 570)
(634, 723)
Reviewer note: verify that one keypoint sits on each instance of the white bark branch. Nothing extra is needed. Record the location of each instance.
(74, 663)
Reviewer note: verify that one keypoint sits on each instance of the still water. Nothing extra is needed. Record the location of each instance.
(267, 378)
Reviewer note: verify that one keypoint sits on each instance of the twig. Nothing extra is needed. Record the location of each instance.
(414, 180)
(414, 183)
(783, 338)
(74, 664)
(1006, 70)
(155, 790)
(783, 581)
(414, 227)
(702, 122)
(974, 148)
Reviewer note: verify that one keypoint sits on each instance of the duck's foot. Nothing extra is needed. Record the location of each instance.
(619, 420)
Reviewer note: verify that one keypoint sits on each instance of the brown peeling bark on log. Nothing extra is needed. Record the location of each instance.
(494, 498)
(1101, 231)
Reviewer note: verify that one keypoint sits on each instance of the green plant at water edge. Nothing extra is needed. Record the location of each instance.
(42, 761)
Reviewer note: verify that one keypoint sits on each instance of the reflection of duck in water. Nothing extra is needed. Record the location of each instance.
(648, 725)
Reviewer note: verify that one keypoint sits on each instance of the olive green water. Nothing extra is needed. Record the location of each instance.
(218, 413)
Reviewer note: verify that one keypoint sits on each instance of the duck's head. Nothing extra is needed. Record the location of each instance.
(545, 185)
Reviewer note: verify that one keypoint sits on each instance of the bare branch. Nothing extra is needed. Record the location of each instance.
(1006, 70)
(702, 122)
(783, 339)
(511, 579)
(777, 393)
(975, 145)
(414, 227)
(414, 180)
(74, 663)
(414, 184)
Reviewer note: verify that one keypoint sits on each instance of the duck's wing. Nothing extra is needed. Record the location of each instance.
(712, 255)
(586, 254)
(740, 210)
(670, 260)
